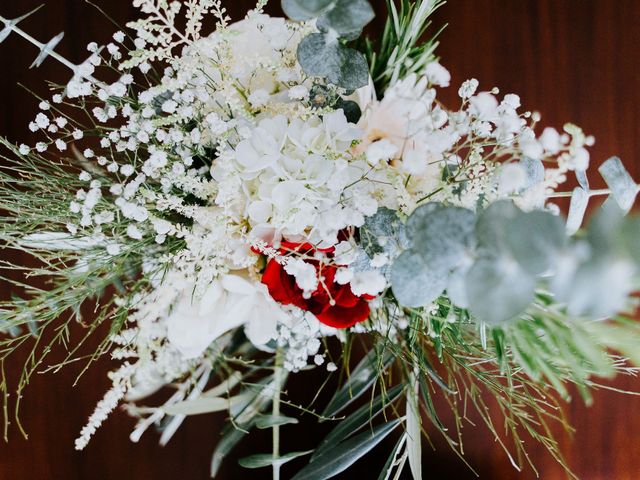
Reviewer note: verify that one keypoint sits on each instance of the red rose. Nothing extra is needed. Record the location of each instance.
(344, 311)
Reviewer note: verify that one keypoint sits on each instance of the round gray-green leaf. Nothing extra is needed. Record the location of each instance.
(414, 284)
(301, 10)
(384, 232)
(630, 238)
(599, 288)
(324, 56)
(498, 290)
(457, 288)
(442, 235)
(346, 17)
(534, 239)
(604, 227)
(493, 223)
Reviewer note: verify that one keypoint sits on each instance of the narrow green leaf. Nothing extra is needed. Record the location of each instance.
(202, 405)
(261, 460)
(225, 445)
(268, 421)
(345, 454)
(429, 406)
(358, 419)
(414, 432)
(224, 387)
(390, 464)
(359, 381)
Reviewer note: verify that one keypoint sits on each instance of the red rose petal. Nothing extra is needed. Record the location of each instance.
(341, 317)
(348, 309)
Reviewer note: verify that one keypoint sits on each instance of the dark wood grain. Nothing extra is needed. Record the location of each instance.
(571, 60)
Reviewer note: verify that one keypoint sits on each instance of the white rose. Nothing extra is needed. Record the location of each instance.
(230, 302)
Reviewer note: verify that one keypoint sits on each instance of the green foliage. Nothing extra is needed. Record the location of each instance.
(359, 419)
(337, 459)
(347, 18)
(325, 54)
(623, 189)
(384, 233)
(497, 290)
(302, 10)
(260, 460)
(493, 263)
(414, 282)
(403, 49)
(322, 96)
(270, 421)
(363, 376)
(59, 283)
(321, 55)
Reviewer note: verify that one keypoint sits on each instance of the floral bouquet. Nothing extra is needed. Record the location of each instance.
(229, 206)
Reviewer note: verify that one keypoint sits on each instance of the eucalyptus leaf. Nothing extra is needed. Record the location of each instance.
(417, 220)
(583, 179)
(623, 188)
(457, 289)
(302, 10)
(261, 460)
(360, 380)
(630, 238)
(345, 454)
(443, 235)
(577, 209)
(534, 172)
(603, 228)
(414, 283)
(324, 56)
(492, 225)
(350, 108)
(358, 419)
(346, 17)
(600, 288)
(498, 290)
(384, 232)
(534, 240)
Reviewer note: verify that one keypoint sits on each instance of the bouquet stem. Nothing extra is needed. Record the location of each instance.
(276, 413)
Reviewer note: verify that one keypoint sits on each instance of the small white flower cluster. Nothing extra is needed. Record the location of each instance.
(299, 339)
(121, 379)
(463, 156)
(293, 177)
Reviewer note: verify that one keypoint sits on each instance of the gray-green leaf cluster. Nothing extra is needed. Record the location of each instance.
(325, 54)
(492, 263)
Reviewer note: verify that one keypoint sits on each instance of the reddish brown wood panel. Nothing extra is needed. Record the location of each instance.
(571, 60)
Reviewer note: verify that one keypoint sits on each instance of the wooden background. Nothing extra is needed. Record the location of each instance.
(572, 60)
